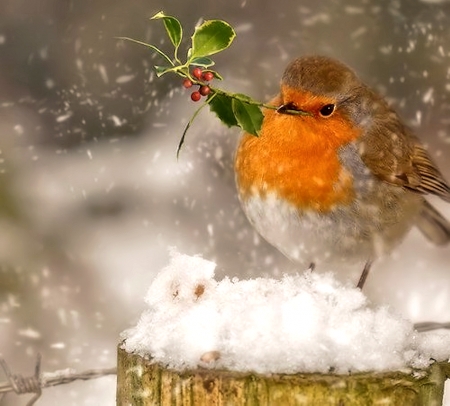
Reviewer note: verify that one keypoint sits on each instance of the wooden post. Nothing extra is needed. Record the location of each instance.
(142, 383)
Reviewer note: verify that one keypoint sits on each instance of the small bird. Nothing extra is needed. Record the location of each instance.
(335, 176)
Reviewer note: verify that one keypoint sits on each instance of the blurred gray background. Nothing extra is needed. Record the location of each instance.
(91, 193)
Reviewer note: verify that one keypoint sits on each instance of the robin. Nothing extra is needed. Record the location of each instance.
(335, 176)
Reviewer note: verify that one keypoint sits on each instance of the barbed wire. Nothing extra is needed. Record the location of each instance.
(424, 326)
(34, 384)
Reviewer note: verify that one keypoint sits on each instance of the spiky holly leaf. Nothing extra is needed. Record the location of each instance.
(202, 61)
(173, 27)
(248, 115)
(222, 105)
(211, 37)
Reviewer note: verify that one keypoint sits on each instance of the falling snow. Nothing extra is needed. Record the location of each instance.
(125, 78)
(64, 117)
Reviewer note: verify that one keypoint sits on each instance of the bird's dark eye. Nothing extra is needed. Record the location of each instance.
(327, 110)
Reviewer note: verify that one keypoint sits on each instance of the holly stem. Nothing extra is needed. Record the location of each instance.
(181, 142)
(248, 100)
(183, 70)
(152, 47)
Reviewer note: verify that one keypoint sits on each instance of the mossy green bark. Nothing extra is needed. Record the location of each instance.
(141, 382)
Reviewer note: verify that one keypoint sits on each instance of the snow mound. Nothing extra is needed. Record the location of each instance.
(302, 323)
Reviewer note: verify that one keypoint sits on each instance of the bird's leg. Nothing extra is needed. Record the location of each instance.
(311, 267)
(365, 273)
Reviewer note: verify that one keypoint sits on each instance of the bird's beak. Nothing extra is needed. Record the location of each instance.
(290, 108)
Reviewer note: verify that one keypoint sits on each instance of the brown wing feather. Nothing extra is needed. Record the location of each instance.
(431, 179)
(399, 158)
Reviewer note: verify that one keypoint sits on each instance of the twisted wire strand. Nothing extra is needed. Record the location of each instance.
(34, 384)
(21, 384)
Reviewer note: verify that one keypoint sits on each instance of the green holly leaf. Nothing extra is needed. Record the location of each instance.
(249, 116)
(173, 28)
(222, 106)
(216, 74)
(202, 61)
(211, 37)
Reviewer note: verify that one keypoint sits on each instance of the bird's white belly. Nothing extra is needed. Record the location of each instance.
(343, 236)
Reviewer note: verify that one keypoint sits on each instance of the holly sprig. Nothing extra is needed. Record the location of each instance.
(209, 38)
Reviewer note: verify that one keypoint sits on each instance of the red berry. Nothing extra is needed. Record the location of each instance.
(187, 83)
(208, 76)
(196, 96)
(204, 90)
(197, 73)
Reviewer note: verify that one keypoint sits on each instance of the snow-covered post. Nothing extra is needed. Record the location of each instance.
(142, 382)
(302, 340)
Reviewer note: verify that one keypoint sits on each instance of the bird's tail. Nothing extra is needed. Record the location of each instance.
(433, 225)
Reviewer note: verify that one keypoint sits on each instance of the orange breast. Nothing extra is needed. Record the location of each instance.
(296, 158)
